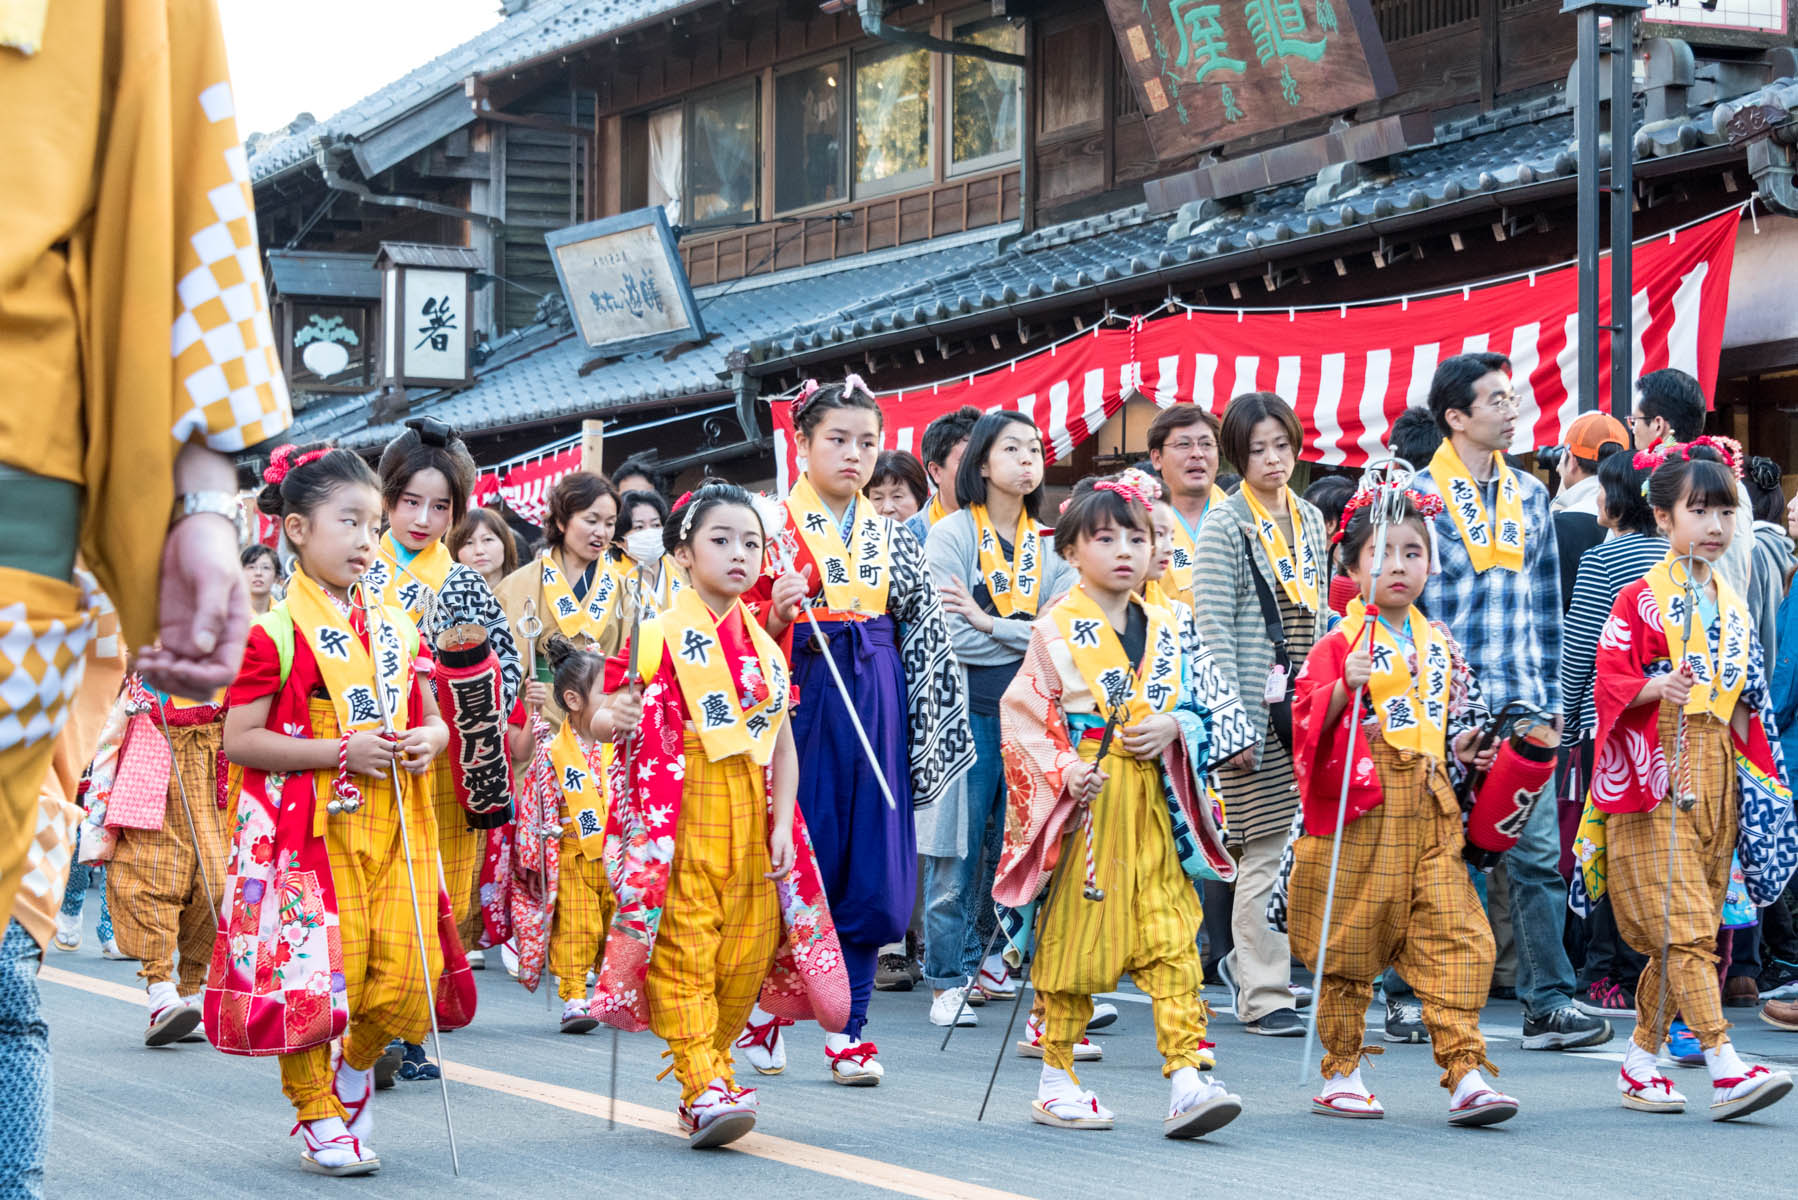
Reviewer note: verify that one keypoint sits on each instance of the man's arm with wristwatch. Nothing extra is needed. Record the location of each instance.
(202, 603)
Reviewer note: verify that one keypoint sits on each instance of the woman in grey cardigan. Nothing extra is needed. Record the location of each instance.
(1250, 537)
(995, 571)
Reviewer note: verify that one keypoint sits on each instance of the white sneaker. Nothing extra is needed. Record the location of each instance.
(1061, 1103)
(951, 1008)
(477, 960)
(719, 1115)
(995, 979)
(332, 1150)
(1085, 1050)
(852, 1061)
(1104, 1013)
(68, 932)
(1197, 1105)
(508, 956)
(576, 1018)
(760, 1043)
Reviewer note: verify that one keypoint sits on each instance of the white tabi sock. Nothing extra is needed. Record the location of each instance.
(1724, 1063)
(1185, 1084)
(1338, 1085)
(162, 995)
(1056, 1082)
(1471, 1084)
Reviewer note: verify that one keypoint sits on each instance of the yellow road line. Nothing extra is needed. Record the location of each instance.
(835, 1163)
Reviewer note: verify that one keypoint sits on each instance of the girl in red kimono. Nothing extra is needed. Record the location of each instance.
(719, 898)
(318, 940)
(1667, 866)
(1403, 894)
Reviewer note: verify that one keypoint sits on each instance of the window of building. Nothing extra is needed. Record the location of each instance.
(723, 142)
(811, 123)
(986, 99)
(892, 118)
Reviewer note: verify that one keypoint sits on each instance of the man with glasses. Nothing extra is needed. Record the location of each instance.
(1669, 407)
(1183, 451)
(1498, 589)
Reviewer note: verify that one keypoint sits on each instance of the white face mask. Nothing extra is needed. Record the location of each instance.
(643, 545)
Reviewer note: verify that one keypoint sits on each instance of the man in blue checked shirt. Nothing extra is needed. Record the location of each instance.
(1499, 593)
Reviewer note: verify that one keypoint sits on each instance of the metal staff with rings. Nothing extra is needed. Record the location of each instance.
(376, 620)
(193, 827)
(1684, 799)
(1388, 476)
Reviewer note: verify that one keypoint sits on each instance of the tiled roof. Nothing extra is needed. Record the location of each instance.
(1133, 249)
(543, 28)
(536, 377)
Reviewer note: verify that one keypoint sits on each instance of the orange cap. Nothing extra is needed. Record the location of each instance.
(1590, 431)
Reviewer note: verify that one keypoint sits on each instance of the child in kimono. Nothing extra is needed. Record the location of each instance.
(318, 940)
(710, 864)
(1404, 897)
(1695, 732)
(561, 900)
(1103, 745)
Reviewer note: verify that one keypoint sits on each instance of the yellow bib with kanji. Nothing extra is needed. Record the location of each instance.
(412, 587)
(1098, 655)
(1295, 569)
(855, 576)
(1716, 686)
(1178, 580)
(728, 722)
(1489, 543)
(1412, 709)
(352, 671)
(583, 790)
(580, 623)
(1015, 586)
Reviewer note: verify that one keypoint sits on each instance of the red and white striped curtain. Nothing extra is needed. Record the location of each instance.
(1349, 371)
(526, 487)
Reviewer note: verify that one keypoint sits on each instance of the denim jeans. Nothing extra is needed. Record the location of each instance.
(75, 894)
(25, 1068)
(1539, 912)
(956, 888)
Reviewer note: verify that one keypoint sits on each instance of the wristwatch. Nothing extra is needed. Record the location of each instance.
(223, 504)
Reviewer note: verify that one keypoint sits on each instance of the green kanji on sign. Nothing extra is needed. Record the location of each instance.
(1232, 113)
(1289, 87)
(1203, 45)
(1278, 27)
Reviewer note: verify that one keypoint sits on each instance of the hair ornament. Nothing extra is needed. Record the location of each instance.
(1727, 449)
(807, 390)
(1426, 505)
(1129, 491)
(1143, 482)
(855, 383)
(431, 431)
(284, 462)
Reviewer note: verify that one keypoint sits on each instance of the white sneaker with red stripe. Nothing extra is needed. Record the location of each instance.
(719, 1115)
(1085, 1050)
(1643, 1086)
(995, 979)
(332, 1150)
(760, 1043)
(852, 1061)
(1061, 1103)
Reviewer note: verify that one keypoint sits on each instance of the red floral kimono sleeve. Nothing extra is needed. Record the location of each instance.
(1630, 773)
(1320, 747)
(1039, 754)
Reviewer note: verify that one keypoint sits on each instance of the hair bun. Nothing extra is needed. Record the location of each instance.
(268, 500)
(1764, 473)
(559, 650)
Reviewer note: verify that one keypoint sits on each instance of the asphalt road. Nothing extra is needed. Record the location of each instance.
(531, 1105)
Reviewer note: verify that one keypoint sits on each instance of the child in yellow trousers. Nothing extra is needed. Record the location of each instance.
(320, 937)
(1403, 896)
(1097, 724)
(719, 900)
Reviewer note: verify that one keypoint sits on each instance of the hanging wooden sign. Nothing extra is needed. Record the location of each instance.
(1212, 71)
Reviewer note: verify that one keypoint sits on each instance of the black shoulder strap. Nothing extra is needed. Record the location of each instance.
(1270, 608)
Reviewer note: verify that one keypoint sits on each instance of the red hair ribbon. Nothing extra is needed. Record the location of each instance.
(1426, 506)
(1129, 491)
(283, 462)
(1728, 449)
(855, 383)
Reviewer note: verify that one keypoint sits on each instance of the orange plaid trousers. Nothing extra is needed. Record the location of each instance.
(387, 991)
(721, 921)
(1685, 945)
(1403, 899)
(161, 893)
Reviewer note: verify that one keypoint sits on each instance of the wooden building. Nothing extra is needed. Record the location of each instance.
(921, 190)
